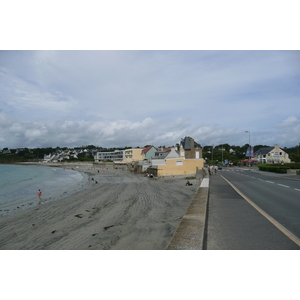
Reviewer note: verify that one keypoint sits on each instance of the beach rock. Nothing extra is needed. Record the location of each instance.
(78, 215)
(105, 228)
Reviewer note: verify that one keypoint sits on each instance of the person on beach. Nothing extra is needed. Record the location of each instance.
(39, 194)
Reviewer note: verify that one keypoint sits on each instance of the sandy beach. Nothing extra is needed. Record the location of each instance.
(124, 211)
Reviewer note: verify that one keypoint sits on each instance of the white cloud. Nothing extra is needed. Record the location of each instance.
(118, 98)
(291, 121)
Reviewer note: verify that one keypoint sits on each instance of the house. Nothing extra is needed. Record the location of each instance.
(162, 152)
(271, 155)
(184, 159)
(133, 154)
(231, 151)
(148, 153)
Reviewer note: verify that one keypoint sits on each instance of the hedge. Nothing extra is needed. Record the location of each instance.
(293, 165)
(274, 168)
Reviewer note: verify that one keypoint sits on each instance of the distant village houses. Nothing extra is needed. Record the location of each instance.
(184, 158)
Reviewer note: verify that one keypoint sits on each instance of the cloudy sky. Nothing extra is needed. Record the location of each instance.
(134, 98)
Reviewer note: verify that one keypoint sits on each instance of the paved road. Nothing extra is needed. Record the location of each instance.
(233, 223)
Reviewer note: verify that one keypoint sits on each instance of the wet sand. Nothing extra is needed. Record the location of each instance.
(123, 211)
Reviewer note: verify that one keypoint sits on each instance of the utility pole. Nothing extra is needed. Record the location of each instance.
(249, 149)
(222, 155)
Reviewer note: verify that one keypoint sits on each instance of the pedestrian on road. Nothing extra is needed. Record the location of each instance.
(216, 168)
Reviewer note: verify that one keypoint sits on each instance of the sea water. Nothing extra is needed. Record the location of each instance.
(19, 186)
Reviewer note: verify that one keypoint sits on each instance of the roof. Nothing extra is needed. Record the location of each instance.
(145, 150)
(263, 151)
(161, 154)
(186, 143)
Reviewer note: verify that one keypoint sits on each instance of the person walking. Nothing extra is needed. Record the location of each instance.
(39, 194)
(216, 169)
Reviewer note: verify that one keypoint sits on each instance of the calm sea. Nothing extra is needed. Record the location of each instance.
(19, 186)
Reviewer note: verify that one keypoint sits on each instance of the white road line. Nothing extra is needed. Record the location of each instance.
(283, 185)
(260, 179)
(289, 234)
(269, 181)
(297, 190)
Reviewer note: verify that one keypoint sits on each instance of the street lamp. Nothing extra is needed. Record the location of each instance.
(249, 149)
(222, 155)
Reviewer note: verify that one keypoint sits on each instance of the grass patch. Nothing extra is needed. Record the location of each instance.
(190, 178)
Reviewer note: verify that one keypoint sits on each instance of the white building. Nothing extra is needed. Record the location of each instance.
(117, 155)
(271, 155)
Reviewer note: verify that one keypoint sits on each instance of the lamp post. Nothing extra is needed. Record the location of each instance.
(249, 149)
(222, 155)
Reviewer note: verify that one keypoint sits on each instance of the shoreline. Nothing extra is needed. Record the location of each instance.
(19, 205)
(123, 211)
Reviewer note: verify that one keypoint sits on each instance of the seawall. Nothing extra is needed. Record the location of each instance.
(190, 233)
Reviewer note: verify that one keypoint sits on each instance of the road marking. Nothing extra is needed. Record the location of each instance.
(283, 185)
(285, 231)
(297, 190)
(260, 179)
(269, 181)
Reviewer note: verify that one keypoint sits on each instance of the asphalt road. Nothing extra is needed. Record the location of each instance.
(233, 223)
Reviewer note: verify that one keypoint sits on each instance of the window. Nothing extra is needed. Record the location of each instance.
(179, 163)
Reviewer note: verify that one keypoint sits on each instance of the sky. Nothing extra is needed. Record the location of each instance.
(116, 74)
(134, 98)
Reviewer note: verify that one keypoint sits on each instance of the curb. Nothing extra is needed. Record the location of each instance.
(191, 230)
